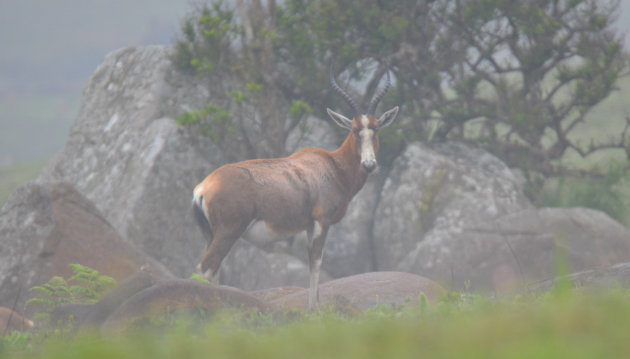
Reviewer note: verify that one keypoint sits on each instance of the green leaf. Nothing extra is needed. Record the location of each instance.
(238, 96)
(199, 278)
(299, 109)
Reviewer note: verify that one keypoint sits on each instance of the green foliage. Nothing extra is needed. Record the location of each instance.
(199, 278)
(285, 56)
(253, 87)
(558, 61)
(606, 192)
(85, 286)
(209, 32)
(90, 284)
(16, 341)
(567, 324)
(212, 120)
(299, 108)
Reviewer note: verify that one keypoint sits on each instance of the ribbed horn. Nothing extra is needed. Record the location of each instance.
(343, 94)
(378, 96)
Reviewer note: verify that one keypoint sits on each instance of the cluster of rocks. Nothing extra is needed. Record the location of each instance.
(117, 199)
(145, 295)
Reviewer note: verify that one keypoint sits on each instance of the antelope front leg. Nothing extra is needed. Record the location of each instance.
(315, 251)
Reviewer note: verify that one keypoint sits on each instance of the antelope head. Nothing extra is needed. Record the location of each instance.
(364, 126)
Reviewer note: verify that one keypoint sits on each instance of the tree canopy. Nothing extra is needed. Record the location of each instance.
(516, 77)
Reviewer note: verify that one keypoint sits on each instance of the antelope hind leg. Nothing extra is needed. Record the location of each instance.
(315, 253)
(208, 274)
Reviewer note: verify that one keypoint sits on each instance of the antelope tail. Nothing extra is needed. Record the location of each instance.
(201, 218)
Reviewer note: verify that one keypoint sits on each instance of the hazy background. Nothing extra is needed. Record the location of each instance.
(49, 49)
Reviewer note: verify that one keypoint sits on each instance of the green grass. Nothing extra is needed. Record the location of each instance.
(605, 122)
(561, 325)
(36, 126)
(609, 194)
(13, 176)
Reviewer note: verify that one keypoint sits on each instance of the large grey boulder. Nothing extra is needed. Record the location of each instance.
(458, 215)
(516, 249)
(11, 321)
(179, 296)
(92, 315)
(365, 291)
(439, 191)
(350, 247)
(436, 211)
(128, 155)
(43, 229)
(520, 248)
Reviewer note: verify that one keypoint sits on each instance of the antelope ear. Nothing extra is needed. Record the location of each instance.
(388, 117)
(340, 119)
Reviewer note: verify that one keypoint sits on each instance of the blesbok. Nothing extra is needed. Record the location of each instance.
(308, 190)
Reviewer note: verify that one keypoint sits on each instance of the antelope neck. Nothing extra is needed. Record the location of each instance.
(348, 159)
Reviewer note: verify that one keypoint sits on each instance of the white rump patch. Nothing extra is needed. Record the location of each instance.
(198, 195)
(198, 200)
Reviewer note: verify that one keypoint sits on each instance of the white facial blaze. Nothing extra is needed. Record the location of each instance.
(367, 142)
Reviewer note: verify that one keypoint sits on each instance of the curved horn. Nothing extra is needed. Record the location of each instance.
(379, 95)
(343, 94)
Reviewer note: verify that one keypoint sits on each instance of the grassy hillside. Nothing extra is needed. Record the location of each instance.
(563, 324)
(13, 176)
(36, 126)
(46, 62)
(605, 122)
